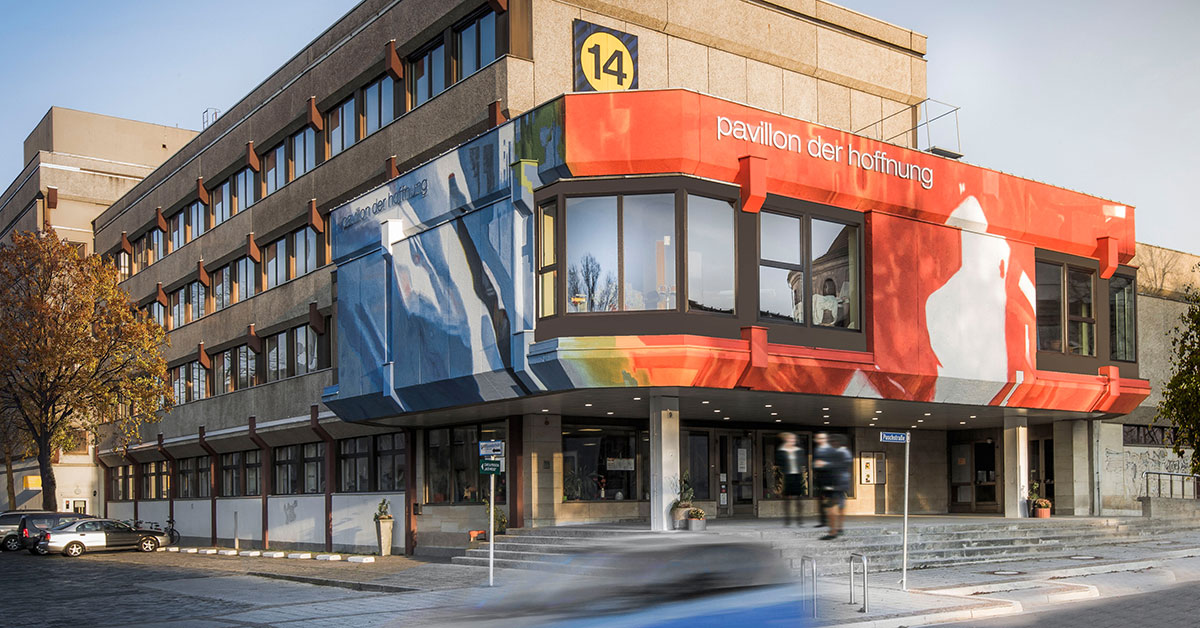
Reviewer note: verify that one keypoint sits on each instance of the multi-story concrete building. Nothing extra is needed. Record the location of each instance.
(407, 240)
(76, 165)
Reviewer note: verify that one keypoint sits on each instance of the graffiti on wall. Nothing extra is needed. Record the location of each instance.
(1131, 462)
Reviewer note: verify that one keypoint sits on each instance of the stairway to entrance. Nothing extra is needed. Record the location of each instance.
(933, 542)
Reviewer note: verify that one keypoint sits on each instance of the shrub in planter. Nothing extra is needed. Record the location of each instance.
(1041, 508)
(696, 519)
(383, 527)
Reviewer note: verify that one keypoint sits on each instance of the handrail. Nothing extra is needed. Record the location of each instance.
(1183, 484)
(866, 595)
(809, 583)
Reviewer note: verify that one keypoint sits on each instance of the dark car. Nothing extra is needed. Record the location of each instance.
(10, 526)
(32, 526)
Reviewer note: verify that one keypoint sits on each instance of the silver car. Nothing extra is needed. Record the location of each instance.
(97, 535)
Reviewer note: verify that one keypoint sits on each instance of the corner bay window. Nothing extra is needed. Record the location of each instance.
(1122, 318)
(452, 464)
(829, 255)
(605, 463)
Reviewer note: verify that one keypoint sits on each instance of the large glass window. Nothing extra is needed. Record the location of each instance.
(600, 463)
(305, 251)
(197, 220)
(253, 471)
(314, 468)
(155, 480)
(340, 126)
(452, 464)
(231, 474)
(592, 254)
(203, 476)
(379, 104)
(710, 254)
(247, 367)
(244, 193)
(648, 251)
(300, 469)
(178, 300)
(223, 372)
(178, 226)
(1049, 306)
(781, 271)
(186, 480)
(197, 296)
(834, 270)
(1072, 328)
(476, 44)
(305, 350)
(122, 482)
(222, 207)
(354, 462)
(390, 462)
(275, 256)
(1122, 317)
(304, 152)
(222, 288)
(429, 74)
(276, 348)
(697, 465)
(197, 382)
(773, 473)
(287, 471)
(246, 276)
(274, 168)
(548, 261)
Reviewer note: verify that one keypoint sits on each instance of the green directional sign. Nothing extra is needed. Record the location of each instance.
(489, 467)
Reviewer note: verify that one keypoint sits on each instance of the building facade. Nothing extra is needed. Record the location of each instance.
(630, 241)
(76, 165)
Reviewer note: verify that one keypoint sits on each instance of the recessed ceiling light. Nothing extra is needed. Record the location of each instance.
(879, 412)
(545, 409)
(972, 416)
(913, 426)
(587, 405)
(825, 409)
(767, 406)
(827, 423)
(825, 416)
(774, 414)
(872, 425)
(705, 402)
(590, 429)
(637, 398)
(610, 411)
(962, 422)
(926, 414)
(716, 412)
(726, 418)
(778, 420)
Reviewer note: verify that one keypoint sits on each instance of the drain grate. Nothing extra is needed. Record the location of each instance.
(1084, 557)
(1007, 572)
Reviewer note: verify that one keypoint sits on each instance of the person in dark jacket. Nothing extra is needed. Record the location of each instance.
(831, 462)
(792, 461)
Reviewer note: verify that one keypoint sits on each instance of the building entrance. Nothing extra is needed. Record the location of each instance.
(974, 479)
(735, 473)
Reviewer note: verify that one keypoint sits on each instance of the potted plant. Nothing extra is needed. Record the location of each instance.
(1041, 508)
(679, 509)
(383, 527)
(696, 521)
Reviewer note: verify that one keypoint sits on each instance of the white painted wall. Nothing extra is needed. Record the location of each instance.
(77, 478)
(354, 520)
(297, 519)
(249, 518)
(193, 517)
(120, 510)
(157, 511)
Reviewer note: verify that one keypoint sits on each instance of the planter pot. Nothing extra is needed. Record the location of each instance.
(1041, 513)
(679, 516)
(697, 525)
(383, 533)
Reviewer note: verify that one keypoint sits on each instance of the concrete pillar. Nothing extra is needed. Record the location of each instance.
(1016, 467)
(541, 468)
(1097, 459)
(1072, 471)
(664, 460)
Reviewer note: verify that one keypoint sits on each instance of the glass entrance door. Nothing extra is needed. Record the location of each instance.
(735, 474)
(974, 478)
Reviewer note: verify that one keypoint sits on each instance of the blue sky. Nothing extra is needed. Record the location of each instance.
(1096, 96)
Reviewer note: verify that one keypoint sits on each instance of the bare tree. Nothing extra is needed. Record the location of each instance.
(1158, 270)
(588, 282)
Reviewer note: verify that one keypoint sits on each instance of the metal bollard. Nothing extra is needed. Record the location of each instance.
(866, 607)
(808, 585)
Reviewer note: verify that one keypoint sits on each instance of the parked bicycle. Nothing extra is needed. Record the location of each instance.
(155, 526)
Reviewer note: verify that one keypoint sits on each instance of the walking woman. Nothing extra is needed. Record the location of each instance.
(792, 460)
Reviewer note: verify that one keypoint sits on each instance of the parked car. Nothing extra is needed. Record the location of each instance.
(32, 526)
(97, 535)
(10, 525)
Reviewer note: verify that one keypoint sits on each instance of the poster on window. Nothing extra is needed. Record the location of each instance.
(741, 461)
(619, 464)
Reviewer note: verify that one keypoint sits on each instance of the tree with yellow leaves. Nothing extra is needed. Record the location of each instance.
(75, 353)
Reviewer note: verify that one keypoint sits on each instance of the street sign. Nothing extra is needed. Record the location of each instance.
(893, 437)
(489, 467)
(491, 448)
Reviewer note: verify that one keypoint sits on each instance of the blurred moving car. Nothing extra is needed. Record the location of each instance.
(97, 535)
(29, 531)
(647, 582)
(10, 523)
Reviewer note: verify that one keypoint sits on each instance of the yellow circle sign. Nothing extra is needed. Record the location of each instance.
(606, 63)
